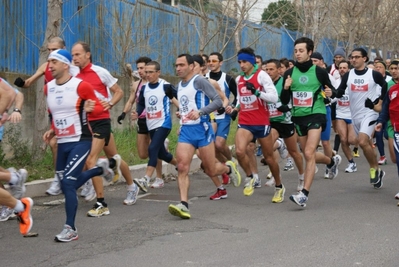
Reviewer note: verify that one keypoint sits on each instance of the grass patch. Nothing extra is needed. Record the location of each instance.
(20, 155)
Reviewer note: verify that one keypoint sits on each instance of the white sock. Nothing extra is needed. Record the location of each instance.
(301, 177)
(255, 175)
(131, 187)
(19, 207)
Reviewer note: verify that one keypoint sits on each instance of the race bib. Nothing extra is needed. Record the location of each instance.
(152, 113)
(65, 127)
(248, 102)
(302, 99)
(273, 111)
(344, 101)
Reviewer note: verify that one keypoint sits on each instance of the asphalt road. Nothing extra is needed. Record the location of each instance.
(346, 223)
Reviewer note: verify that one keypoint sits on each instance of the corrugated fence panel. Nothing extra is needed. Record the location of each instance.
(120, 31)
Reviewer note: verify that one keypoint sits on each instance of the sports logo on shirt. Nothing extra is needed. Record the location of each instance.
(303, 79)
(153, 100)
(393, 95)
(59, 100)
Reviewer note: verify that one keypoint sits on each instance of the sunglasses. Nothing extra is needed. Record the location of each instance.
(213, 61)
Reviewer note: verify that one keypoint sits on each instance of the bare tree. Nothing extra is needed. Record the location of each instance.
(54, 15)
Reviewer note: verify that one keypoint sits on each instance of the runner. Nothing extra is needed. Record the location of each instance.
(69, 99)
(303, 85)
(103, 82)
(255, 88)
(194, 95)
(366, 89)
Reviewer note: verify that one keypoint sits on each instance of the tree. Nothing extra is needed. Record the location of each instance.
(54, 15)
(281, 13)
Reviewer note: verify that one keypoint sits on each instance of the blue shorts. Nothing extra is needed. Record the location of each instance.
(258, 131)
(197, 135)
(347, 121)
(223, 128)
(325, 135)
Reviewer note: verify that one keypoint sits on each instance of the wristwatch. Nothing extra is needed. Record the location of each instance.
(111, 104)
(200, 113)
(17, 110)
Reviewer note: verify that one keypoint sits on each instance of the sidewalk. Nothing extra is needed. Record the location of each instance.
(38, 188)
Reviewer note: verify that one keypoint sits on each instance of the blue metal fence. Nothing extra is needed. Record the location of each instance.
(120, 31)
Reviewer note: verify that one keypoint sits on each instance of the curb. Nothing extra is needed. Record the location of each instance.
(38, 188)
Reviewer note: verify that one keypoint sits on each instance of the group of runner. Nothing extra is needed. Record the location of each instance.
(284, 106)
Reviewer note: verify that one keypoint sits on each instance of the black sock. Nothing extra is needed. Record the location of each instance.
(101, 200)
(184, 203)
(305, 192)
(337, 142)
(355, 149)
(331, 163)
(279, 186)
(250, 176)
(112, 163)
(351, 161)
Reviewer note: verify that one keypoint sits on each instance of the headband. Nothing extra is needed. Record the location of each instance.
(247, 57)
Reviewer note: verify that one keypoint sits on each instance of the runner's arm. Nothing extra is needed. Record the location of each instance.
(210, 92)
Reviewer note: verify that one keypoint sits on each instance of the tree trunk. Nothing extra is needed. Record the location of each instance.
(54, 13)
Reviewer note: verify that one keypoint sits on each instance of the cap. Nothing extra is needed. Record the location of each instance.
(339, 52)
(317, 55)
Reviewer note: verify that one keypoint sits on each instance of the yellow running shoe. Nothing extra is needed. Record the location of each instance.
(179, 210)
(356, 154)
(98, 210)
(235, 176)
(249, 186)
(278, 195)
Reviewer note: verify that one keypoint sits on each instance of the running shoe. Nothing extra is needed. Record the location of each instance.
(108, 173)
(299, 199)
(117, 168)
(333, 172)
(86, 188)
(67, 234)
(249, 186)
(55, 188)
(131, 196)
(25, 217)
(282, 150)
(381, 175)
(142, 184)
(271, 182)
(6, 213)
(234, 175)
(397, 196)
(18, 189)
(91, 193)
(257, 182)
(300, 185)
(351, 167)
(326, 173)
(382, 160)
(289, 166)
(278, 194)
(269, 175)
(225, 179)
(179, 210)
(98, 210)
(374, 179)
(220, 194)
(158, 183)
(356, 154)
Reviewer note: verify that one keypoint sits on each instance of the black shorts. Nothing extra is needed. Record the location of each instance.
(285, 130)
(142, 126)
(306, 123)
(101, 129)
(333, 111)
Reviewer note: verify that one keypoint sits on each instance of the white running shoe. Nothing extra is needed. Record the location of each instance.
(6, 213)
(397, 196)
(18, 189)
(117, 168)
(131, 196)
(351, 167)
(282, 150)
(55, 187)
(270, 182)
(142, 184)
(108, 173)
(158, 183)
(326, 174)
(300, 185)
(86, 188)
(91, 193)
